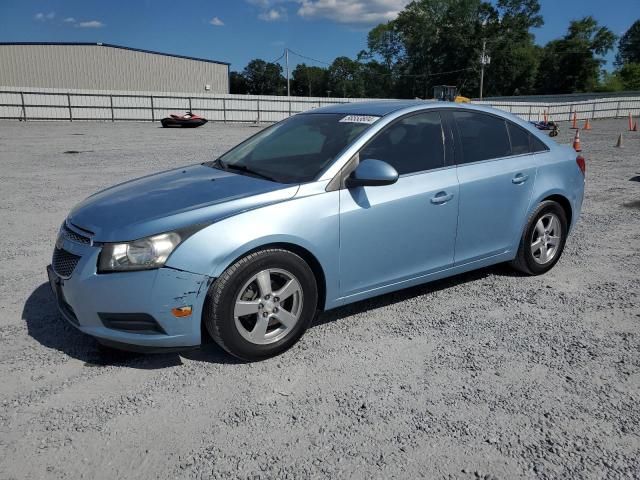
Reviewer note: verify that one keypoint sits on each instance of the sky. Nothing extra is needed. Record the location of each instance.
(237, 31)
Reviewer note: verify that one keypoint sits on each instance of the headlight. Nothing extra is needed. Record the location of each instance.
(144, 254)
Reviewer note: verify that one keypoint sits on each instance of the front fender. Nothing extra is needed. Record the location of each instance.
(257, 243)
(309, 222)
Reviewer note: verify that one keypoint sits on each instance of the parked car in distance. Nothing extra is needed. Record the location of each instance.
(323, 209)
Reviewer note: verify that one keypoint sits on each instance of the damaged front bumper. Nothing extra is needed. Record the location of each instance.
(130, 308)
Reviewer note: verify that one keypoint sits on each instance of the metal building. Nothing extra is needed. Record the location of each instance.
(101, 66)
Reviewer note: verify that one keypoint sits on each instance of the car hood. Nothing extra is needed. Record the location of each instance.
(171, 200)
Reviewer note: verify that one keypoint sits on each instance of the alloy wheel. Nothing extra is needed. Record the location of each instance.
(268, 306)
(546, 238)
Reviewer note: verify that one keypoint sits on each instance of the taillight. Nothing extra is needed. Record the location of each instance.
(582, 165)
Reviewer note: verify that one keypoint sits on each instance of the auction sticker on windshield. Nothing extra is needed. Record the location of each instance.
(369, 119)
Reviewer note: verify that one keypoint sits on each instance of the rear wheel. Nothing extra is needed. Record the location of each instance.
(262, 304)
(543, 239)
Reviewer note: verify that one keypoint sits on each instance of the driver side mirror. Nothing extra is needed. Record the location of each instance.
(372, 173)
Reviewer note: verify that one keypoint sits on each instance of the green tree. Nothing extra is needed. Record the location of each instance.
(309, 81)
(264, 78)
(385, 42)
(611, 82)
(436, 42)
(237, 83)
(377, 80)
(345, 78)
(630, 76)
(629, 46)
(514, 56)
(441, 44)
(573, 63)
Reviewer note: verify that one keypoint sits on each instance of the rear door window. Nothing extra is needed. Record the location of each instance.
(483, 136)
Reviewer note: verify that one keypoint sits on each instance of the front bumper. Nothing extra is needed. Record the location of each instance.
(85, 297)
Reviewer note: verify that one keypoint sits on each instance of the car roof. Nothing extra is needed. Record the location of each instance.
(385, 107)
(382, 108)
(378, 107)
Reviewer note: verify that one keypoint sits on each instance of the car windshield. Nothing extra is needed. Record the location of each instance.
(295, 150)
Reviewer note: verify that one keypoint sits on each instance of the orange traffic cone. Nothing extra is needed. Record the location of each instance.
(574, 124)
(576, 142)
(619, 142)
(587, 125)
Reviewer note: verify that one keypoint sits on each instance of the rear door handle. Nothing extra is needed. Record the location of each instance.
(441, 197)
(520, 178)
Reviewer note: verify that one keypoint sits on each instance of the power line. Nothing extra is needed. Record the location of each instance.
(414, 75)
(309, 58)
(279, 58)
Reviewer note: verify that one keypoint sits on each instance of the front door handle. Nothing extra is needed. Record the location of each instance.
(441, 197)
(520, 179)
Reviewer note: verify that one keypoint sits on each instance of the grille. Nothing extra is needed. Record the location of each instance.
(63, 262)
(75, 237)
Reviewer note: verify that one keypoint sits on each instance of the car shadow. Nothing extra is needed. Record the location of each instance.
(381, 301)
(46, 325)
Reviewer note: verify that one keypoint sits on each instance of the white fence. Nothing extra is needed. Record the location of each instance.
(564, 111)
(60, 104)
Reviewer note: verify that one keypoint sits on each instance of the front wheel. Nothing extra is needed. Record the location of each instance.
(262, 304)
(543, 239)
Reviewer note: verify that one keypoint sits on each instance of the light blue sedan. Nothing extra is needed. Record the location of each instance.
(320, 210)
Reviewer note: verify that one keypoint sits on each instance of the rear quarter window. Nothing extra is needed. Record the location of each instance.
(537, 145)
(520, 139)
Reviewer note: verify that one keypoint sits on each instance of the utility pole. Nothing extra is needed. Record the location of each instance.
(484, 60)
(286, 53)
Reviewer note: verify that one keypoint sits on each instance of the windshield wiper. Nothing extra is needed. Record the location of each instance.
(244, 168)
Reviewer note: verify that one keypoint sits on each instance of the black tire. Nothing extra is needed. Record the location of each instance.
(525, 261)
(218, 313)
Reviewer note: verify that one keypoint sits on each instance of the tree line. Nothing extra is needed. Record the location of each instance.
(439, 42)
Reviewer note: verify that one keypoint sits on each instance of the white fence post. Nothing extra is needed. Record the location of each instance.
(69, 104)
(24, 110)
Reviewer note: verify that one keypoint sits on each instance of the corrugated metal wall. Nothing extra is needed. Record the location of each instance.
(101, 67)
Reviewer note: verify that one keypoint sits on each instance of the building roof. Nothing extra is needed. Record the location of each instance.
(99, 44)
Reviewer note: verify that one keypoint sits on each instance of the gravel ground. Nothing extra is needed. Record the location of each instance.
(484, 375)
